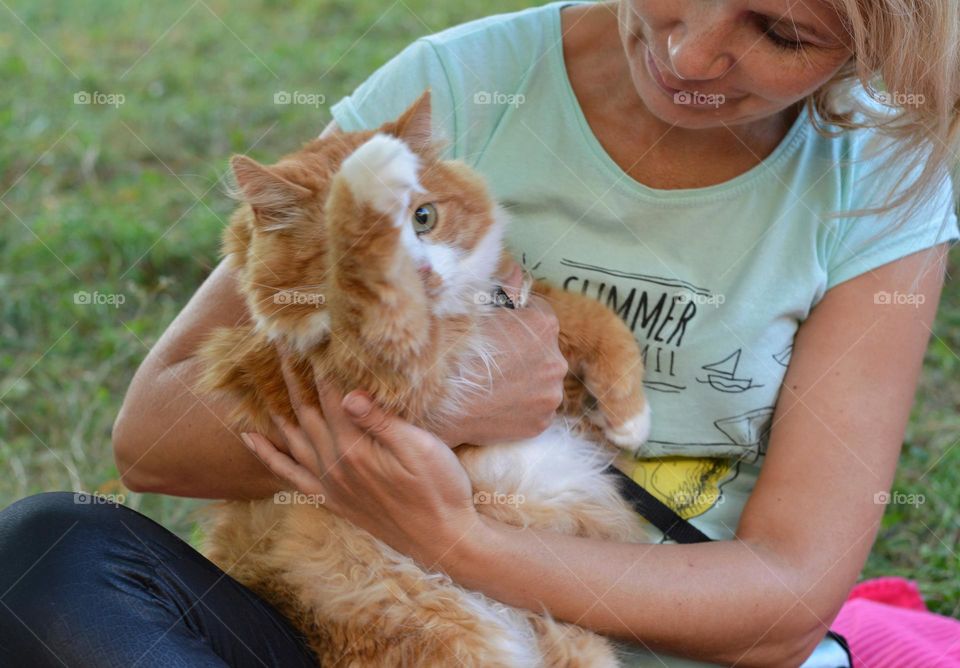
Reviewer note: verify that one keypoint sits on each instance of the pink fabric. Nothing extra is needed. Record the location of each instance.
(888, 626)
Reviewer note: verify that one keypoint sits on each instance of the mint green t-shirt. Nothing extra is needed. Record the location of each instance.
(714, 282)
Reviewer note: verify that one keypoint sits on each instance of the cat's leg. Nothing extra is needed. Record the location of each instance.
(604, 356)
(374, 254)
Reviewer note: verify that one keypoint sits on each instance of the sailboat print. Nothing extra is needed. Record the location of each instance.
(723, 376)
(783, 357)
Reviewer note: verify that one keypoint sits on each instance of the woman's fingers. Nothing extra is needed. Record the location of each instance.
(299, 445)
(339, 424)
(306, 408)
(298, 476)
(293, 386)
(389, 430)
(512, 281)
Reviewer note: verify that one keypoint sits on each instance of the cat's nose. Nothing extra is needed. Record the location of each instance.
(424, 269)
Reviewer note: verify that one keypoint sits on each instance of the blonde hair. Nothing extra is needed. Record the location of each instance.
(906, 55)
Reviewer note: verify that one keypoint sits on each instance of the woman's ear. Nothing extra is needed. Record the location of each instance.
(275, 200)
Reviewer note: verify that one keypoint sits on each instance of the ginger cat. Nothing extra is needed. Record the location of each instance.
(373, 261)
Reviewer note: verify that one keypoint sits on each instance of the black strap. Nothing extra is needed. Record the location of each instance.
(656, 511)
(843, 645)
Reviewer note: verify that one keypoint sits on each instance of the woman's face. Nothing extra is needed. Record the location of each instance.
(706, 63)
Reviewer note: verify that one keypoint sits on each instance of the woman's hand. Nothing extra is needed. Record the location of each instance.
(527, 381)
(399, 482)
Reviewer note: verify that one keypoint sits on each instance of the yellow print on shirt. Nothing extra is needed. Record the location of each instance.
(690, 486)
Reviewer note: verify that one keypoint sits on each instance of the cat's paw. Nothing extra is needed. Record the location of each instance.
(630, 435)
(383, 172)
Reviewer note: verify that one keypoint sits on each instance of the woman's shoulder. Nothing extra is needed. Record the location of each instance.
(517, 26)
(498, 49)
(867, 154)
(473, 69)
(863, 137)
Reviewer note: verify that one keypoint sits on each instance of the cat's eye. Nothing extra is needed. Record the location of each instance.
(424, 218)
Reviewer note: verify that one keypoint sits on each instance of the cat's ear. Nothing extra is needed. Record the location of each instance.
(274, 199)
(413, 126)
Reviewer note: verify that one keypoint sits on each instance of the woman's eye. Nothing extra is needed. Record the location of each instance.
(778, 39)
(784, 42)
(424, 218)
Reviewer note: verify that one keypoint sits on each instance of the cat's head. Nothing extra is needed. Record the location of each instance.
(454, 230)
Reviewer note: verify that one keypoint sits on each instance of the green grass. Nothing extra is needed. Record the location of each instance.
(126, 201)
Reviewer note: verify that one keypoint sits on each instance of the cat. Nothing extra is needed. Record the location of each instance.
(373, 261)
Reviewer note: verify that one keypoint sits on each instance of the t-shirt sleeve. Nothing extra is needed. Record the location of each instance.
(394, 86)
(862, 243)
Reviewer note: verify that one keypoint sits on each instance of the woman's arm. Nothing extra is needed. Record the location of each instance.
(763, 599)
(768, 597)
(169, 440)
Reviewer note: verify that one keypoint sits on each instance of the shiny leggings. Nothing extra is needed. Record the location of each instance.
(96, 584)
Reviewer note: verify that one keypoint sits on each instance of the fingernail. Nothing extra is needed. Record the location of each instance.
(356, 404)
(247, 441)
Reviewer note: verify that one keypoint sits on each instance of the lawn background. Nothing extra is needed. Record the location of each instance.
(126, 200)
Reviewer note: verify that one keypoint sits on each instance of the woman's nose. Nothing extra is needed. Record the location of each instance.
(699, 54)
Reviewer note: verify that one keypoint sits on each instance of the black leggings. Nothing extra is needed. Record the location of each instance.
(95, 584)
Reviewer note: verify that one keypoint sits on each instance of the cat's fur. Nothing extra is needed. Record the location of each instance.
(399, 317)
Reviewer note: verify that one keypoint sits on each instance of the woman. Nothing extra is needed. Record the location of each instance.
(662, 156)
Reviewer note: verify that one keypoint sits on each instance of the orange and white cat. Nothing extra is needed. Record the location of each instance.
(373, 261)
